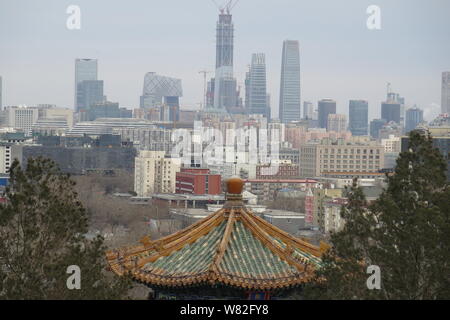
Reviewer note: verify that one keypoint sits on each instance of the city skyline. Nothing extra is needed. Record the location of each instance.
(333, 69)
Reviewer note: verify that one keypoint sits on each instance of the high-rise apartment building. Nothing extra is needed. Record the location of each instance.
(257, 87)
(154, 172)
(337, 123)
(413, 118)
(85, 69)
(325, 107)
(358, 111)
(445, 93)
(290, 82)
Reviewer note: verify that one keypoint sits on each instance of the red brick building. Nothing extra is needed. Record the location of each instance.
(197, 181)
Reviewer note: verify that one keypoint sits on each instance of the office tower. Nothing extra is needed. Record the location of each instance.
(390, 111)
(375, 126)
(394, 107)
(358, 111)
(290, 82)
(85, 69)
(308, 110)
(225, 93)
(325, 107)
(337, 122)
(164, 93)
(445, 93)
(89, 93)
(257, 89)
(414, 116)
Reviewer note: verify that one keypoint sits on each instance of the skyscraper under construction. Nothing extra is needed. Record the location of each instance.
(222, 89)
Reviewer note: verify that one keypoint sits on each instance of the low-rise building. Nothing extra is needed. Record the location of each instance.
(198, 181)
(340, 156)
(266, 189)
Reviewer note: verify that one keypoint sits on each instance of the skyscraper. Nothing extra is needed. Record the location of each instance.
(358, 111)
(89, 92)
(85, 69)
(375, 126)
(257, 87)
(325, 107)
(308, 110)
(414, 116)
(225, 94)
(162, 91)
(445, 93)
(390, 111)
(290, 82)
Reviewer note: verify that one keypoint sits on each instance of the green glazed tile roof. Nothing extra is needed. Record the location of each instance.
(233, 247)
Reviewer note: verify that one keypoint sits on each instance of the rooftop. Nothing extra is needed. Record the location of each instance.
(233, 247)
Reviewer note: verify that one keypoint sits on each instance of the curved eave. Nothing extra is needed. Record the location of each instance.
(297, 257)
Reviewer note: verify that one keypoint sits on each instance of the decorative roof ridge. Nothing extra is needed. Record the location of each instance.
(127, 257)
(223, 244)
(264, 237)
(286, 237)
(174, 236)
(190, 237)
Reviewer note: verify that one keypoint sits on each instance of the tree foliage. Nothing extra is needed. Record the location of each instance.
(43, 230)
(406, 232)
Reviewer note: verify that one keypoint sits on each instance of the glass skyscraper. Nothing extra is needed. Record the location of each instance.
(290, 82)
(225, 94)
(358, 112)
(89, 92)
(375, 126)
(414, 116)
(325, 107)
(85, 69)
(257, 86)
(390, 111)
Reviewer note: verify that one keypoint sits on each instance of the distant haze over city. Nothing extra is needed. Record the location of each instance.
(340, 58)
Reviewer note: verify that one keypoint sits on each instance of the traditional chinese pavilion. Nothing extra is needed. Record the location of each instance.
(233, 253)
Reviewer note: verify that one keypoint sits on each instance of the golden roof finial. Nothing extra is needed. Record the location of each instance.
(235, 185)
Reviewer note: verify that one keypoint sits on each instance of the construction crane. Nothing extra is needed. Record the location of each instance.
(230, 4)
(205, 73)
(388, 88)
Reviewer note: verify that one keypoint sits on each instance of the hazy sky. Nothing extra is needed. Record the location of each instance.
(340, 58)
